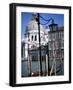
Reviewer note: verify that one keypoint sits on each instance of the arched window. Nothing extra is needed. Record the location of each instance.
(35, 38)
(32, 38)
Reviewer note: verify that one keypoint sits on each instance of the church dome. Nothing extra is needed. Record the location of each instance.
(33, 24)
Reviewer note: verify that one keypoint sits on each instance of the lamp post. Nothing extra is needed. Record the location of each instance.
(47, 49)
(39, 43)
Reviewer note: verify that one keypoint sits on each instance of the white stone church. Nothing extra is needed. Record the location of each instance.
(31, 37)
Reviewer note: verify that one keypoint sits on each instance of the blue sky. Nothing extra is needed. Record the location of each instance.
(26, 17)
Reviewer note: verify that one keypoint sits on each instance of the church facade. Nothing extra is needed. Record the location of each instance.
(31, 38)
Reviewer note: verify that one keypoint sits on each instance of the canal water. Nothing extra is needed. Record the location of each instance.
(36, 68)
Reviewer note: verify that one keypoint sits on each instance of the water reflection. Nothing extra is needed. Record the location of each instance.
(35, 68)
